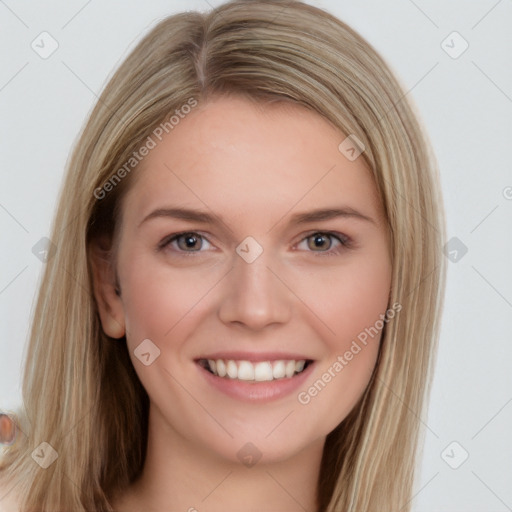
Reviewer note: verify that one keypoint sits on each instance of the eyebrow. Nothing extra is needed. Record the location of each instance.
(183, 213)
(327, 214)
(297, 218)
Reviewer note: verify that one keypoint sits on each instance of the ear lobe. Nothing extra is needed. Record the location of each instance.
(110, 306)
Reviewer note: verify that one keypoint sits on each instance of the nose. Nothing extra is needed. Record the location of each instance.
(254, 297)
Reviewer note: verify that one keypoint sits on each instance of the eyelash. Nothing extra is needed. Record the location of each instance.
(344, 242)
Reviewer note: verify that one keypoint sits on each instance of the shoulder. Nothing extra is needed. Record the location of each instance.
(8, 498)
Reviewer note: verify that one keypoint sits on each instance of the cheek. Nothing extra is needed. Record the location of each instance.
(348, 299)
(351, 305)
(159, 301)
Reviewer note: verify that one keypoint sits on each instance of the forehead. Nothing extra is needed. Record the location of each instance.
(232, 155)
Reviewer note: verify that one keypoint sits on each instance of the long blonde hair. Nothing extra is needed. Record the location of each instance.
(81, 394)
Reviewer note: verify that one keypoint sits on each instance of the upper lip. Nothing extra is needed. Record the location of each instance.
(256, 356)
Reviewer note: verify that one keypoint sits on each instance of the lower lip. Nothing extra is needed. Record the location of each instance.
(253, 391)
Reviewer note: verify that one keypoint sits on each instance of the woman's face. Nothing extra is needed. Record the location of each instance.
(249, 239)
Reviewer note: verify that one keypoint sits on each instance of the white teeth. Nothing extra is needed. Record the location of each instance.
(290, 368)
(221, 368)
(245, 371)
(279, 370)
(232, 370)
(263, 371)
(299, 366)
(259, 372)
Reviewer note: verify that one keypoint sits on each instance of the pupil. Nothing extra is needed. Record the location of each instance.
(320, 242)
(190, 241)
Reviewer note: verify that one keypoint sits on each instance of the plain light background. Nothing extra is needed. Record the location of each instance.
(463, 98)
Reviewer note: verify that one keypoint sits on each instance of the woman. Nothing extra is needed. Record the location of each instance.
(244, 303)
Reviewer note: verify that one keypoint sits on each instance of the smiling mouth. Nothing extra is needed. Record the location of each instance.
(258, 372)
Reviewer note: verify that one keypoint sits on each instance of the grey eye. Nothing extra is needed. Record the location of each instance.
(319, 242)
(189, 242)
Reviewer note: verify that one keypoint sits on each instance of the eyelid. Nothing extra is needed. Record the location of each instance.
(345, 241)
(335, 234)
(172, 237)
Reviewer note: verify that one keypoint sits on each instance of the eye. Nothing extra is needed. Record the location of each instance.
(324, 242)
(186, 242)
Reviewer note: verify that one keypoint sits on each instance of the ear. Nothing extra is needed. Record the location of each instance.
(110, 305)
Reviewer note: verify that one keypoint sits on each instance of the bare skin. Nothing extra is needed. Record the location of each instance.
(315, 287)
